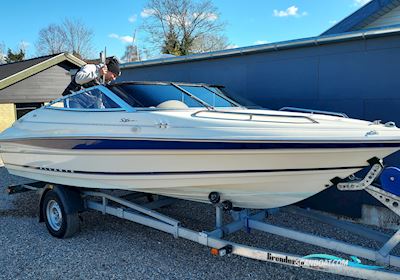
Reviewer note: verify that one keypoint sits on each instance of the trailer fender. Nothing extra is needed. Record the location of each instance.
(69, 196)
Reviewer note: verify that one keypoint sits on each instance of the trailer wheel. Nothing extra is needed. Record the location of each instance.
(58, 223)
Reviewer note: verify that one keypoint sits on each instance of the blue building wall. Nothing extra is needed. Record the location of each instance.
(359, 78)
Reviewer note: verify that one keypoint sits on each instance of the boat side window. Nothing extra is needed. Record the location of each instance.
(148, 96)
(89, 99)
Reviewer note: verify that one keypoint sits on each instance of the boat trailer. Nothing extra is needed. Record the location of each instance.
(61, 205)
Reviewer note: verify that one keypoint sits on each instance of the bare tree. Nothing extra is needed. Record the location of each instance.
(70, 36)
(78, 37)
(210, 43)
(2, 53)
(131, 51)
(24, 46)
(131, 54)
(179, 26)
(52, 40)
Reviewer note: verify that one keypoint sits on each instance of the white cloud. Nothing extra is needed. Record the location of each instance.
(147, 12)
(360, 2)
(260, 42)
(212, 16)
(232, 46)
(23, 45)
(208, 16)
(132, 18)
(124, 39)
(291, 11)
(172, 19)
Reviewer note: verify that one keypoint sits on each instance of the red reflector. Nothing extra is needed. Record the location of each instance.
(214, 252)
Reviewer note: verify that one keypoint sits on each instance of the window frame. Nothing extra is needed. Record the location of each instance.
(217, 93)
(121, 103)
(171, 84)
(178, 86)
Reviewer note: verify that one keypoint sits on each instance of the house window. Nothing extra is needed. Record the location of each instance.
(24, 108)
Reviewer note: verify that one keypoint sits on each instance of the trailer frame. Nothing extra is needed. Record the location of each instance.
(245, 219)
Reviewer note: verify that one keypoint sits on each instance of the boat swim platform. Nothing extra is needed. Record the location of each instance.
(131, 207)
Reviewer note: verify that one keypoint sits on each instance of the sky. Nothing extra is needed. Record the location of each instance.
(248, 22)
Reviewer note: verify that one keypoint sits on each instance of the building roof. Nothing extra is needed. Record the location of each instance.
(12, 73)
(353, 26)
(292, 44)
(15, 67)
(363, 16)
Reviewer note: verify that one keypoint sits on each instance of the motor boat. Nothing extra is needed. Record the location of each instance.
(188, 141)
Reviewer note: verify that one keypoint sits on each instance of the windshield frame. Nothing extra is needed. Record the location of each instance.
(178, 85)
(222, 95)
(123, 106)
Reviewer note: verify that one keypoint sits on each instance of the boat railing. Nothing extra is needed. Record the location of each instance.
(302, 110)
(247, 116)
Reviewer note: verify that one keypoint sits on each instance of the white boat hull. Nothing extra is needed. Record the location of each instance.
(253, 158)
(248, 178)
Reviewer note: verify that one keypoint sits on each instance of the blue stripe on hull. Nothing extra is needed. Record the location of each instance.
(136, 144)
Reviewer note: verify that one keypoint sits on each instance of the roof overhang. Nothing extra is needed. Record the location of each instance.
(363, 16)
(292, 44)
(162, 83)
(12, 79)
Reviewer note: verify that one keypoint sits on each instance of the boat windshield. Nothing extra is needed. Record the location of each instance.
(153, 95)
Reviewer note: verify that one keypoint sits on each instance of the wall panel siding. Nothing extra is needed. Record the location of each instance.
(44, 86)
(7, 115)
(367, 74)
(390, 18)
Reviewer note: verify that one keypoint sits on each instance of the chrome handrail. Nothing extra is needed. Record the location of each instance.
(251, 115)
(311, 111)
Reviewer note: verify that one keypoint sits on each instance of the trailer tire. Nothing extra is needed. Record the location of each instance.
(58, 222)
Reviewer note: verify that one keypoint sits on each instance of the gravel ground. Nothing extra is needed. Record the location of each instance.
(108, 247)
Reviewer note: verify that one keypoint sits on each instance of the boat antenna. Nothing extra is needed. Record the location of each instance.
(103, 60)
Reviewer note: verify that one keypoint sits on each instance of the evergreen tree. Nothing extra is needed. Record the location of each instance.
(171, 44)
(14, 57)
